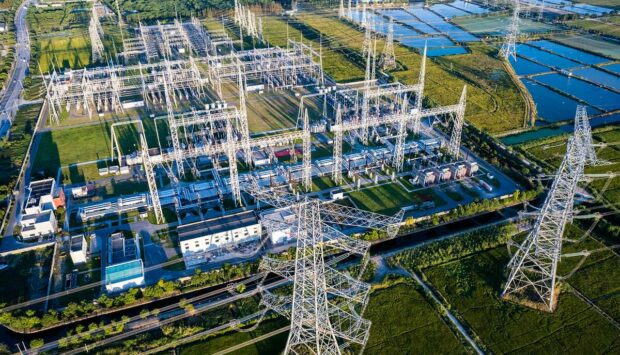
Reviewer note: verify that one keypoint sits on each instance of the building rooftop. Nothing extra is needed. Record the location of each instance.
(38, 189)
(76, 242)
(124, 271)
(216, 225)
(121, 249)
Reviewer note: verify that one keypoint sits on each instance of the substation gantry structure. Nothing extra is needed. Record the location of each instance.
(533, 267)
(103, 88)
(95, 32)
(326, 304)
(359, 110)
(248, 22)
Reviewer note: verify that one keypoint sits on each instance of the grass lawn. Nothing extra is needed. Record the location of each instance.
(493, 103)
(390, 198)
(322, 183)
(472, 286)
(72, 145)
(26, 276)
(402, 319)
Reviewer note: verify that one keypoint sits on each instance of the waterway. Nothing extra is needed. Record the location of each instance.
(590, 93)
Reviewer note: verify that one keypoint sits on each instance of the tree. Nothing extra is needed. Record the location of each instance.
(36, 343)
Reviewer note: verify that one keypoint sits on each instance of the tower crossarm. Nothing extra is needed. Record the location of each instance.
(279, 304)
(348, 326)
(354, 217)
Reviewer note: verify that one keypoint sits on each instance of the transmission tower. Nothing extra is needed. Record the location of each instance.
(388, 60)
(509, 49)
(541, 10)
(457, 128)
(96, 32)
(326, 304)
(341, 12)
(533, 267)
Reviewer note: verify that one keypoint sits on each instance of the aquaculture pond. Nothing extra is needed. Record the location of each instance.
(613, 67)
(469, 7)
(545, 58)
(438, 45)
(590, 93)
(446, 28)
(568, 52)
(599, 77)
(552, 106)
(523, 66)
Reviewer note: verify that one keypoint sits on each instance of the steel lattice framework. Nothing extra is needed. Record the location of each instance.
(102, 88)
(275, 67)
(509, 49)
(96, 32)
(533, 267)
(388, 58)
(403, 116)
(326, 306)
(247, 21)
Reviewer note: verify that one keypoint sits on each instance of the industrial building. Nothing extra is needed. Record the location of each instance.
(277, 224)
(201, 239)
(125, 268)
(78, 250)
(43, 197)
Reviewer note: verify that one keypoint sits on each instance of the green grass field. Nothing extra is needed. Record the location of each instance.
(472, 286)
(609, 25)
(390, 198)
(493, 104)
(72, 145)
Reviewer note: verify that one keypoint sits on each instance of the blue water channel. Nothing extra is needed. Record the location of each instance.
(600, 77)
(406, 18)
(590, 93)
(546, 58)
(552, 106)
(568, 52)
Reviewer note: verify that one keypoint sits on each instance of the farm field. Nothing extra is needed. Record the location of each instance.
(614, 4)
(402, 319)
(472, 286)
(493, 105)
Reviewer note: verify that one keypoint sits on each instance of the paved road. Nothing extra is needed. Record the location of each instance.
(10, 97)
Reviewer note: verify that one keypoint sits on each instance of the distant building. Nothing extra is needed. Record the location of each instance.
(459, 170)
(427, 177)
(3, 26)
(83, 191)
(198, 240)
(38, 225)
(278, 225)
(472, 168)
(78, 249)
(337, 194)
(43, 197)
(125, 268)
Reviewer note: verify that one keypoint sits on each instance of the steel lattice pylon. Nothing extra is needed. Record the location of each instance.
(509, 49)
(534, 265)
(388, 58)
(326, 303)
